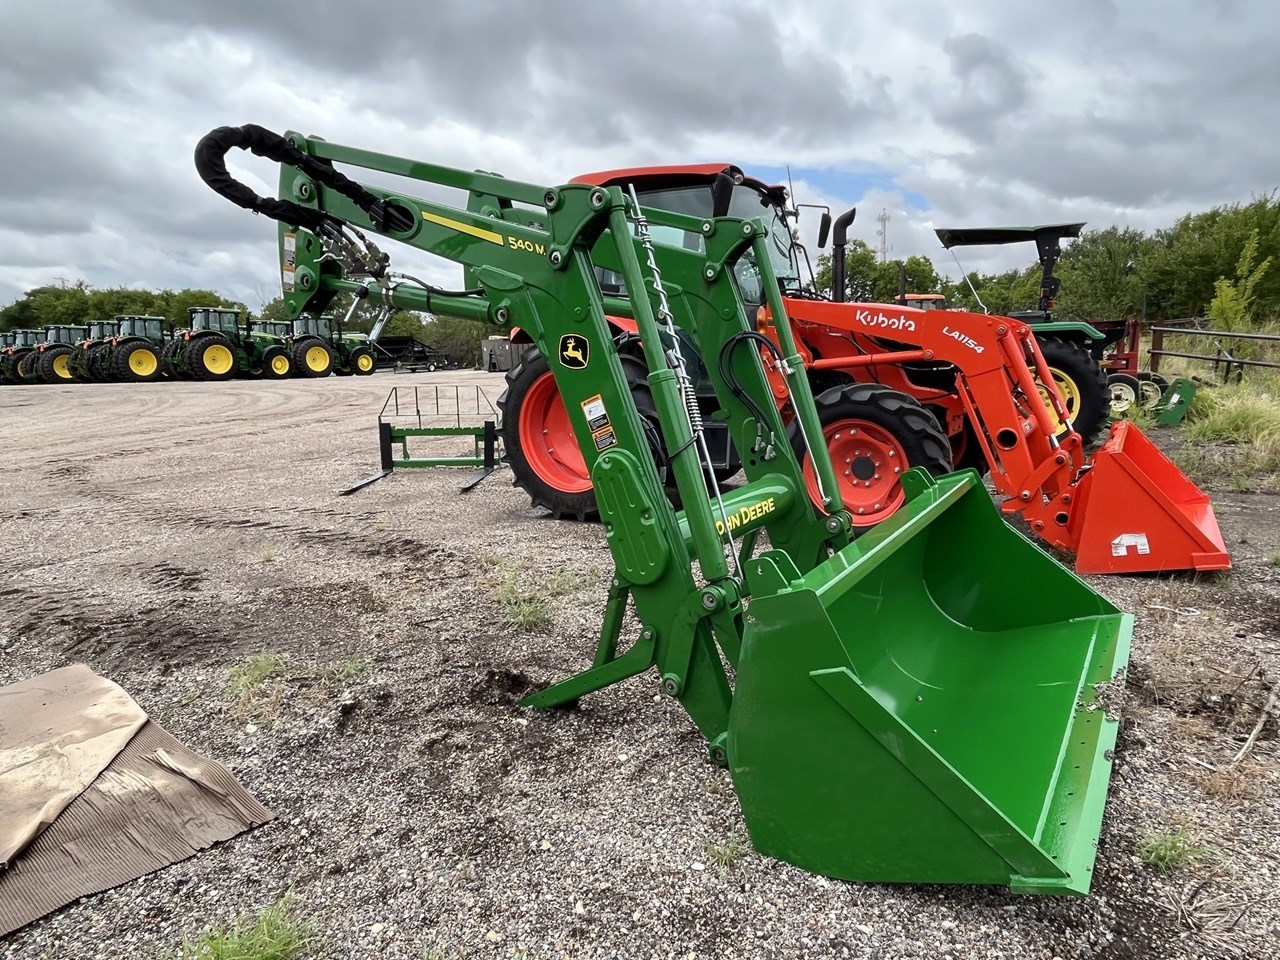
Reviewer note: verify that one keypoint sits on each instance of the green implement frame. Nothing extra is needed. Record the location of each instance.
(889, 709)
(485, 455)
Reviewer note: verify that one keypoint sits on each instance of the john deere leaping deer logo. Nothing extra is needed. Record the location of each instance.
(574, 351)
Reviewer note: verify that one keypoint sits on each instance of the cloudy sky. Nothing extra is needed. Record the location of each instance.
(941, 112)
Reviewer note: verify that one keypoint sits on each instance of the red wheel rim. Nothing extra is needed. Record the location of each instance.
(547, 439)
(869, 463)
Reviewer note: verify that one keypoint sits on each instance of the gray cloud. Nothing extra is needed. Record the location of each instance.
(993, 114)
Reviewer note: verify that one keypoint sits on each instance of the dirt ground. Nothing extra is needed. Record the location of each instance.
(169, 535)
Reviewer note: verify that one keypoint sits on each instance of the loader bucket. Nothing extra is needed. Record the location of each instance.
(1135, 512)
(921, 707)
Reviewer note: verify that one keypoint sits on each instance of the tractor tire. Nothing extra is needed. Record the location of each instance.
(210, 357)
(136, 362)
(1125, 392)
(362, 362)
(93, 363)
(1082, 383)
(54, 365)
(170, 359)
(1151, 388)
(312, 358)
(29, 368)
(874, 435)
(276, 363)
(539, 444)
(13, 367)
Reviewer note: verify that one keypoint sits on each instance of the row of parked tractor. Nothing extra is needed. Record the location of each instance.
(217, 344)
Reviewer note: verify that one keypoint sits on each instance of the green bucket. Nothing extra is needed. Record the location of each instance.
(921, 707)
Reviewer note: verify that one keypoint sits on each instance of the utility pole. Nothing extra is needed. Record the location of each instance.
(883, 233)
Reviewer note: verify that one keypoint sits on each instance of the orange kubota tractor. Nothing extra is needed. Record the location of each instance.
(899, 387)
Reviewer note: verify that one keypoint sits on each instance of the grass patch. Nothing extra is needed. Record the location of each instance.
(1168, 851)
(1235, 784)
(253, 673)
(1275, 559)
(268, 553)
(525, 599)
(345, 672)
(725, 856)
(1233, 436)
(278, 933)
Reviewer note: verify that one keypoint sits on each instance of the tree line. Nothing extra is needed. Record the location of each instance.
(1216, 263)
(1221, 256)
(77, 304)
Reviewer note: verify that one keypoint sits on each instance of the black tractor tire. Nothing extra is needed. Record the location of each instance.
(136, 361)
(276, 363)
(1071, 361)
(29, 367)
(54, 365)
(171, 359)
(867, 428)
(361, 362)
(307, 362)
(1124, 393)
(13, 366)
(203, 358)
(530, 469)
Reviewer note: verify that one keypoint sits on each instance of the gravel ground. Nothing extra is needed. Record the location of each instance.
(169, 534)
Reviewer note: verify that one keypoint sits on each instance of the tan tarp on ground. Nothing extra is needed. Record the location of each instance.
(57, 733)
(152, 804)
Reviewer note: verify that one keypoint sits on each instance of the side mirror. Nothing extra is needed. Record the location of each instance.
(721, 195)
(824, 230)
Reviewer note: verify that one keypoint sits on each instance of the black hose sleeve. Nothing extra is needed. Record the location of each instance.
(211, 164)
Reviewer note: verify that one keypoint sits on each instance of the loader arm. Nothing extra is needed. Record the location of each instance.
(849, 719)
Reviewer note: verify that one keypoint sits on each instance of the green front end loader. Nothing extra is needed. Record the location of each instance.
(890, 711)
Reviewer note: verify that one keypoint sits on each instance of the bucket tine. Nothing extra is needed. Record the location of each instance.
(1136, 512)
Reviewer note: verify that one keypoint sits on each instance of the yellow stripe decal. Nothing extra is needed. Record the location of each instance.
(465, 228)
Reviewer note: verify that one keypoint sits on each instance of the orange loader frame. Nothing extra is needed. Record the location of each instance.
(1128, 509)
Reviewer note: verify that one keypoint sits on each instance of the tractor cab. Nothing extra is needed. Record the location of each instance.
(27, 338)
(6, 339)
(100, 330)
(309, 325)
(712, 190)
(215, 319)
(148, 328)
(274, 328)
(925, 301)
(62, 333)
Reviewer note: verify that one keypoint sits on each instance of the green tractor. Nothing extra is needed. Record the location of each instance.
(18, 344)
(349, 353)
(50, 358)
(7, 340)
(86, 359)
(134, 353)
(216, 347)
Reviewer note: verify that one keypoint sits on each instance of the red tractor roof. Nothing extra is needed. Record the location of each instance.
(676, 175)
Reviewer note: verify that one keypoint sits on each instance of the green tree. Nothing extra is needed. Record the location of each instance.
(457, 339)
(862, 270)
(1233, 300)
